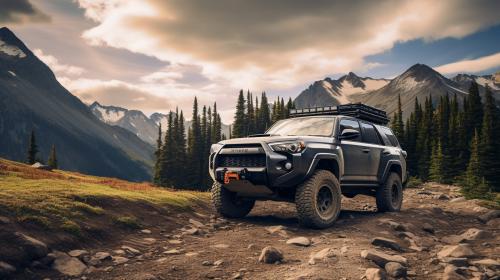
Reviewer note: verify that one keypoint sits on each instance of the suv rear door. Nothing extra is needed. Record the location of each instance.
(354, 152)
(373, 142)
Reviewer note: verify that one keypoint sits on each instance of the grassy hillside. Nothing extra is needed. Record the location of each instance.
(83, 206)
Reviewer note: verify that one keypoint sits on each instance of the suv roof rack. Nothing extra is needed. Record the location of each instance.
(357, 110)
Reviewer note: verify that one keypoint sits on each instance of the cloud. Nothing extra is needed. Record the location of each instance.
(471, 65)
(281, 43)
(56, 66)
(20, 11)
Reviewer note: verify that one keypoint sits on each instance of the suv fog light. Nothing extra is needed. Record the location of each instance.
(288, 166)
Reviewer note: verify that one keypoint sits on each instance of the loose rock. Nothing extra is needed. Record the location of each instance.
(196, 223)
(458, 199)
(387, 243)
(374, 274)
(381, 258)
(489, 263)
(395, 269)
(489, 216)
(102, 256)
(146, 231)
(218, 262)
(67, 265)
(4, 220)
(451, 273)
(280, 230)
(78, 253)
(6, 269)
(428, 228)
(270, 255)
(131, 250)
(300, 241)
(322, 255)
(119, 260)
(457, 251)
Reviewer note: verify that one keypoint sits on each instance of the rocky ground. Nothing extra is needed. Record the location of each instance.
(437, 235)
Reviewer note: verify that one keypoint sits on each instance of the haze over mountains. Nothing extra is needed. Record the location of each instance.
(137, 122)
(32, 98)
(418, 81)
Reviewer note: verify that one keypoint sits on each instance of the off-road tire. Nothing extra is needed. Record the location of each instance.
(308, 194)
(228, 205)
(389, 195)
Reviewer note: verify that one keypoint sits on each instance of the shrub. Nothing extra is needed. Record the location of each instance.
(71, 227)
(128, 222)
(414, 182)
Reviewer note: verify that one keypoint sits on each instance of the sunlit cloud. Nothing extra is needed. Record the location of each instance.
(471, 65)
(59, 68)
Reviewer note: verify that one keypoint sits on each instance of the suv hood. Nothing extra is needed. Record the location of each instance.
(272, 139)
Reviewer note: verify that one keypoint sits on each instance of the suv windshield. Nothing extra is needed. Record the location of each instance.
(312, 126)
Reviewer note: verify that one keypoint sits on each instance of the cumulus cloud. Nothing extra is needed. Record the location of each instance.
(277, 44)
(59, 68)
(19, 11)
(471, 65)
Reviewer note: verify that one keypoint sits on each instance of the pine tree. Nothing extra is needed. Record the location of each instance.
(474, 185)
(398, 126)
(424, 140)
(216, 125)
(204, 150)
(264, 114)
(488, 152)
(256, 116)
(183, 172)
(52, 161)
(239, 125)
(454, 149)
(283, 110)
(474, 109)
(157, 167)
(289, 106)
(167, 160)
(32, 149)
(436, 164)
(250, 115)
(195, 148)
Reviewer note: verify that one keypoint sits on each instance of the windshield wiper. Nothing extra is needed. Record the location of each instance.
(261, 135)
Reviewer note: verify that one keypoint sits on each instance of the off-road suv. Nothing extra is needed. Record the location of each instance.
(312, 159)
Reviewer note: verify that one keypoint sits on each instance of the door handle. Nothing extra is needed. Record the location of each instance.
(385, 152)
(366, 150)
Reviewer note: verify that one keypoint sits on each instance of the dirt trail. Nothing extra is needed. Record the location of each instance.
(219, 249)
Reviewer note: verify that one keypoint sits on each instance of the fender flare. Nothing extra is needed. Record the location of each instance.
(388, 166)
(328, 156)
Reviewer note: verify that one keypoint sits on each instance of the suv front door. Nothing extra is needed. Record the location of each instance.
(355, 153)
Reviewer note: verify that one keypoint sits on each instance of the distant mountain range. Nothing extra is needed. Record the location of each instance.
(137, 122)
(418, 81)
(32, 98)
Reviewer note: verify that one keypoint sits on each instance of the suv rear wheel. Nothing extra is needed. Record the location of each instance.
(318, 200)
(228, 204)
(390, 195)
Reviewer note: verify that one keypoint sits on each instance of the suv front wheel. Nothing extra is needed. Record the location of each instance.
(390, 195)
(318, 200)
(228, 204)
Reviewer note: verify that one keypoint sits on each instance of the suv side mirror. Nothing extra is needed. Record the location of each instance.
(349, 133)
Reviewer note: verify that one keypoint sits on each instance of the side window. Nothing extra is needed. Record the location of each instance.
(390, 135)
(352, 124)
(370, 135)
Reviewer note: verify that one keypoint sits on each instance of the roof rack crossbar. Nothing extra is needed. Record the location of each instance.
(357, 110)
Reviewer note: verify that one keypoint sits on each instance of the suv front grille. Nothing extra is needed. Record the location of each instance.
(249, 160)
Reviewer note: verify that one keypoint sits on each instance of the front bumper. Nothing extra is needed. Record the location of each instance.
(272, 175)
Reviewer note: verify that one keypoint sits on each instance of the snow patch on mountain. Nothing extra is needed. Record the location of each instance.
(108, 115)
(11, 50)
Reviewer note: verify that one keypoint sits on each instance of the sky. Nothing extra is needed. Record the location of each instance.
(156, 55)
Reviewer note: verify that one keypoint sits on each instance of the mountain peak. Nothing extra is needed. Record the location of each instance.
(420, 72)
(11, 45)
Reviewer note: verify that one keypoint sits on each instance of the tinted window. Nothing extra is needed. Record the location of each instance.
(370, 134)
(313, 126)
(352, 124)
(392, 139)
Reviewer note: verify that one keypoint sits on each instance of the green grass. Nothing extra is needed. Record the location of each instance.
(129, 222)
(59, 199)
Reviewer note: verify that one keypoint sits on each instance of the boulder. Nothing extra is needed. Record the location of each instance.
(102, 256)
(395, 270)
(270, 255)
(455, 261)
(20, 249)
(119, 260)
(322, 255)
(40, 166)
(78, 253)
(475, 234)
(131, 250)
(67, 265)
(428, 228)
(495, 223)
(192, 231)
(457, 251)
(489, 216)
(387, 243)
(196, 223)
(451, 272)
(6, 270)
(299, 241)
(374, 274)
(489, 263)
(381, 258)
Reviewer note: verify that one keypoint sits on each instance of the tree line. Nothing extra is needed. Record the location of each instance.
(32, 153)
(182, 162)
(182, 157)
(456, 142)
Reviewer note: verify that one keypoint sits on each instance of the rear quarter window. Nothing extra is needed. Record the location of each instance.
(389, 138)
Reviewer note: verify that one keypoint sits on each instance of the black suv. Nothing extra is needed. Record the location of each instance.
(312, 159)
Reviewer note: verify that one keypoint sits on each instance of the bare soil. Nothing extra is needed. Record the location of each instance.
(237, 244)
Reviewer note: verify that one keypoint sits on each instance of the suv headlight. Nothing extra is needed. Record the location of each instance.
(288, 147)
(215, 148)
